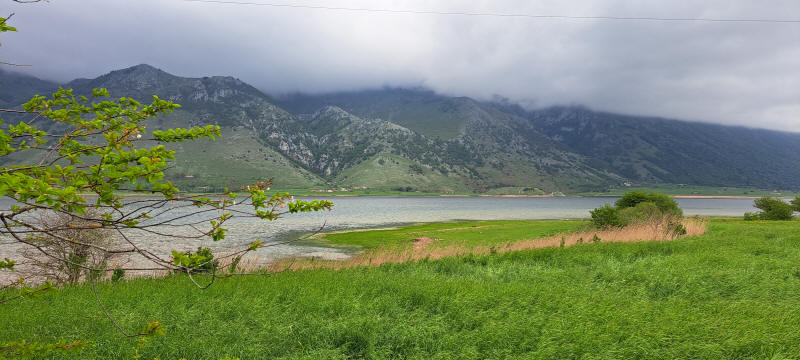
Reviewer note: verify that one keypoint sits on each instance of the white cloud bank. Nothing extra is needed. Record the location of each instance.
(731, 73)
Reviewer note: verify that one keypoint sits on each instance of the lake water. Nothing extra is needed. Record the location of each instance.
(352, 212)
(365, 212)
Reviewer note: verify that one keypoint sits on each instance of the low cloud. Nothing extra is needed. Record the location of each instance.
(731, 73)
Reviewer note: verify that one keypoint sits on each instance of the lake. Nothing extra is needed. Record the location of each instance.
(365, 212)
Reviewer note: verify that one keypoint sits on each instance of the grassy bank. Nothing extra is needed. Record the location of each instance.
(467, 233)
(476, 238)
(731, 293)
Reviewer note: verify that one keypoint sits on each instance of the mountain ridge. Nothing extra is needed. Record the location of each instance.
(432, 142)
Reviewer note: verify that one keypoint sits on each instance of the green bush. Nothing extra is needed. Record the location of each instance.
(642, 212)
(796, 203)
(771, 209)
(664, 203)
(606, 217)
(635, 207)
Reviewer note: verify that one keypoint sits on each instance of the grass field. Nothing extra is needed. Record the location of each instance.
(733, 293)
(468, 233)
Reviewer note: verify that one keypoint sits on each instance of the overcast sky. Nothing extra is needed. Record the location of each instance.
(724, 72)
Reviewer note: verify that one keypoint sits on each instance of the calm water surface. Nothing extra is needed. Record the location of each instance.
(363, 212)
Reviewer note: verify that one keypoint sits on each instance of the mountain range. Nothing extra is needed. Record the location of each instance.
(416, 139)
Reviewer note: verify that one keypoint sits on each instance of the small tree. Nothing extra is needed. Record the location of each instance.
(80, 154)
(771, 209)
(91, 158)
(796, 203)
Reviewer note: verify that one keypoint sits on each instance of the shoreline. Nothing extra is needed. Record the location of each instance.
(726, 197)
(544, 196)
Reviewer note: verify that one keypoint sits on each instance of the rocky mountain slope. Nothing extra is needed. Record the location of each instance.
(648, 149)
(415, 139)
(617, 147)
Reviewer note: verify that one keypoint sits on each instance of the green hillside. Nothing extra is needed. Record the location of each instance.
(577, 149)
(392, 172)
(236, 159)
(445, 144)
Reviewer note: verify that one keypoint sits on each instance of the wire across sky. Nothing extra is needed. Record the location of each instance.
(506, 15)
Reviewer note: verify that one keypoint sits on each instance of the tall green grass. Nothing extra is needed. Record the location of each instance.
(733, 293)
(468, 233)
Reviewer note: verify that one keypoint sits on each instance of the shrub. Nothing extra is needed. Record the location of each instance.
(796, 203)
(771, 209)
(416, 169)
(66, 262)
(642, 212)
(657, 211)
(606, 217)
(675, 229)
(664, 203)
(631, 199)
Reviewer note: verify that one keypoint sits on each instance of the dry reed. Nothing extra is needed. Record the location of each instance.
(426, 248)
(655, 230)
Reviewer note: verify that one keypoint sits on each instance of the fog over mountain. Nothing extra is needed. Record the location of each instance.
(735, 73)
(418, 140)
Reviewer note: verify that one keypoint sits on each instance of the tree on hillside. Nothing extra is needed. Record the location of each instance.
(72, 157)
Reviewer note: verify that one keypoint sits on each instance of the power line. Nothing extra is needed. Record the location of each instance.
(506, 15)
